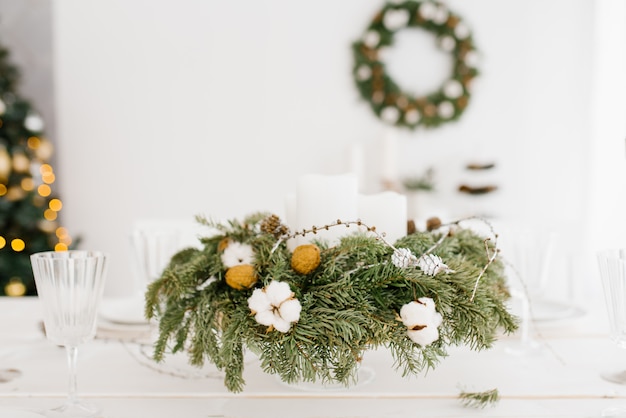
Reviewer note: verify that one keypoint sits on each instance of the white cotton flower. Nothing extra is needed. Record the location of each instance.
(422, 321)
(237, 253)
(364, 72)
(445, 110)
(447, 43)
(403, 258)
(371, 38)
(471, 59)
(395, 19)
(390, 114)
(432, 265)
(461, 30)
(424, 336)
(453, 89)
(427, 10)
(412, 117)
(440, 16)
(275, 306)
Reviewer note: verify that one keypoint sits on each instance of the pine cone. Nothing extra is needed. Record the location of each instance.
(272, 225)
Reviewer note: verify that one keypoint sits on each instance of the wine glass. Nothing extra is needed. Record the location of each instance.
(612, 265)
(69, 286)
(526, 251)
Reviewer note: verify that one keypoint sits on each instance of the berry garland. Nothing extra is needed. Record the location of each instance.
(385, 97)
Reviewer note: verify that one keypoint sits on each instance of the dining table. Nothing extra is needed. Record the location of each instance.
(551, 368)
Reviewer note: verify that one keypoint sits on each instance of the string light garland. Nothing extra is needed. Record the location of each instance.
(29, 208)
(385, 97)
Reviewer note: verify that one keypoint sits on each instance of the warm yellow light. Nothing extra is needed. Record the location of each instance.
(48, 178)
(50, 215)
(3, 242)
(45, 169)
(60, 247)
(21, 163)
(3, 189)
(18, 245)
(33, 142)
(27, 184)
(15, 288)
(55, 205)
(66, 240)
(61, 232)
(44, 190)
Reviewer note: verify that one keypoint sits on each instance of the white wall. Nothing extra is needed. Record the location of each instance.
(171, 109)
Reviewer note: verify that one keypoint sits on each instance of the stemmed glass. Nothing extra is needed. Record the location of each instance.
(612, 265)
(69, 286)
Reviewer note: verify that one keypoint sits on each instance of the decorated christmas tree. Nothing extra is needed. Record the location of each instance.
(29, 209)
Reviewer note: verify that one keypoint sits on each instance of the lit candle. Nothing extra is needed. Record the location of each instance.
(321, 200)
(387, 211)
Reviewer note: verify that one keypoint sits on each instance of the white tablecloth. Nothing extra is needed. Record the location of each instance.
(561, 379)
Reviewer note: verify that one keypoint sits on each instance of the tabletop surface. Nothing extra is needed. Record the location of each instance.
(559, 376)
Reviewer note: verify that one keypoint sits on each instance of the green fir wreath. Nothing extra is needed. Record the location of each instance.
(385, 97)
(310, 314)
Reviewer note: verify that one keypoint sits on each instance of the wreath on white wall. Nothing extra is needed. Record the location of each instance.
(386, 98)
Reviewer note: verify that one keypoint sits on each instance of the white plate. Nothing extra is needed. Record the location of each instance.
(124, 310)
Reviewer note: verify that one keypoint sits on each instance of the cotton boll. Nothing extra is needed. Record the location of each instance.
(290, 310)
(440, 16)
(277, 292)
(396, 19)
(445, 110)
(425, 336)
(237, 253)
(461, 30)
(259, 301)
(363, 73)
(281, 325)
(471, 59)
(427, 10)
(415, 313)
(371, 38)
(390, 114)
(266, 318)
(452, 89)
(428, 302)
(447, 43)
(412, 117)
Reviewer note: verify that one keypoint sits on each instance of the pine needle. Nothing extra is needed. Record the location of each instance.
(479, 399)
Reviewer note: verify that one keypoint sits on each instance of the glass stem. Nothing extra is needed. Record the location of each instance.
(72, 356)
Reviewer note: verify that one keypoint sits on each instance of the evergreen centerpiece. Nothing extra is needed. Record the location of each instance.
(28, 207)
(312, 313)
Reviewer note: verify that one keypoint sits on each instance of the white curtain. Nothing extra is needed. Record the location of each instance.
(606, 187)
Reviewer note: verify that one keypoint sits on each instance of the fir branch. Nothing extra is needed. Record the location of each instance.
(479, 399)
(350, 303)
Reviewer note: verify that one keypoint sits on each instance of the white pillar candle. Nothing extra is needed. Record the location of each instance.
(321, 200)
(387, 211)
(291, 217)
(356, 159)
(389, 158)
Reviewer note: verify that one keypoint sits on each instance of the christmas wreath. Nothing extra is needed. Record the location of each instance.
(310, 314)
(385, 97)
